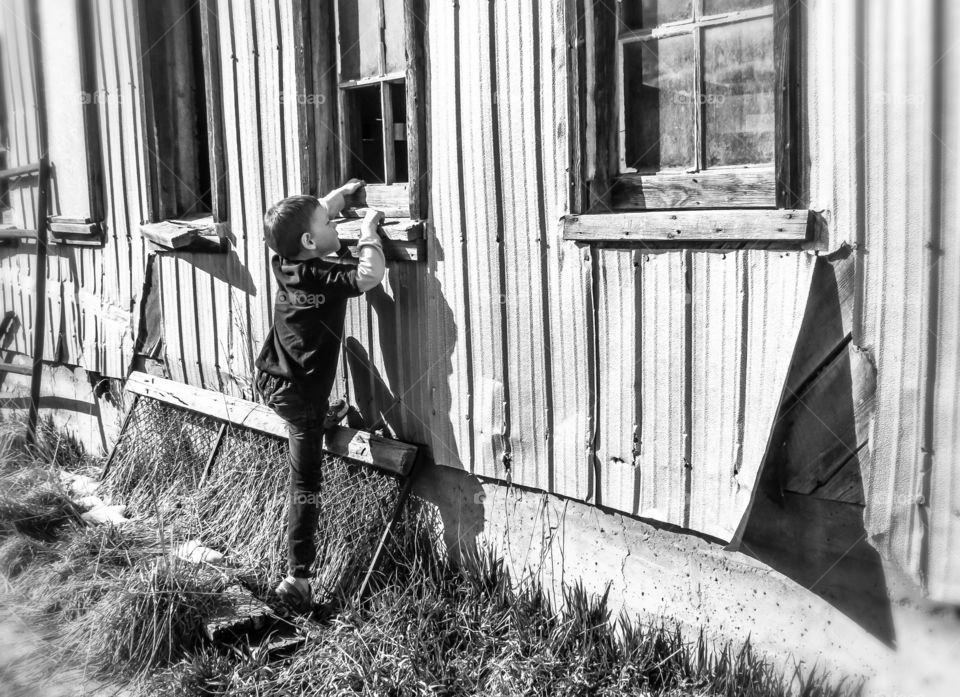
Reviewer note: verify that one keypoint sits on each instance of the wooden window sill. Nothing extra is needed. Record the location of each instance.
(676, 228)
(402, 238)
(198, 234)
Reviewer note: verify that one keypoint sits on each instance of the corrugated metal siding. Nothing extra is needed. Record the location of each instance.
(646, 381)
(911, 287)
(899, 59)
(944, 547)
(91, 291)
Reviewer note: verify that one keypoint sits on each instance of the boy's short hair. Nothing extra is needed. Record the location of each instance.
(285, 223)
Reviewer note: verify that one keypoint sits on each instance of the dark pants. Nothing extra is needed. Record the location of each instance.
(304, 419)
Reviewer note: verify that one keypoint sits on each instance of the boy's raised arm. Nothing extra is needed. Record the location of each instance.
(371, 263)
(333, 201)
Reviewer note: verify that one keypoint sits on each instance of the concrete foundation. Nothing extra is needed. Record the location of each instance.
(660, 574)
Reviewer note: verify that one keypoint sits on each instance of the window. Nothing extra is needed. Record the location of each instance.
(184, 126)
(182, 110)
(379, 64)
(688, 105)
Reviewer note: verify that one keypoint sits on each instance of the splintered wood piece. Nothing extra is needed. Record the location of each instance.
(246, 616)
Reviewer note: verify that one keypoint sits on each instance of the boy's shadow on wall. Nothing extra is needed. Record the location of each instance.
(415, 351)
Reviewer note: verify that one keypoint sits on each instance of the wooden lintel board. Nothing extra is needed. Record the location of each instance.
(690, 226)
(381, 453)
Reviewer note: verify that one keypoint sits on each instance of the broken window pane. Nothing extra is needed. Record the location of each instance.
(365, 134)
(715, 7)
(393, 35)
(645, 14)
(738, 80)
(658, 95)
(359, 28)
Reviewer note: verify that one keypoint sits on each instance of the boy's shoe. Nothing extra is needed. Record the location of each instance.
(295, 594)
(335, 413)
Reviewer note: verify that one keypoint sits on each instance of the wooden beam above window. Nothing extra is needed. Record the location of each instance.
(725, 226)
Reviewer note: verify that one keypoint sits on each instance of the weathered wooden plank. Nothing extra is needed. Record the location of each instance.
(828, 423)
(397, 230)
(754, 188)
(392, 199)
(828, 320)
(383, 453)
(690, 226)
(416, 107)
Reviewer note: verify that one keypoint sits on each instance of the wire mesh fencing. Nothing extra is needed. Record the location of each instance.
(228, 487)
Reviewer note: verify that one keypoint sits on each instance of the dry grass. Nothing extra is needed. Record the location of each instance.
(125, 608)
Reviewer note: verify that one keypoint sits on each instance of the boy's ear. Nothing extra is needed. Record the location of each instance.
(306, 241)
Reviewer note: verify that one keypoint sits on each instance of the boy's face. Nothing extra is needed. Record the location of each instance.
(321, 237)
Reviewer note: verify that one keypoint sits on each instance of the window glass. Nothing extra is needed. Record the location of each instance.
(659, 103)
(359, 39)
(738, 80)
(645, 14)
(393, 35)
(398, 97)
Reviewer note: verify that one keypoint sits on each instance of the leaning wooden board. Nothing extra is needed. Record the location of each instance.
(384, 454)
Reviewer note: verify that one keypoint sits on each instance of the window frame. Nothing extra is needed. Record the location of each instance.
(397, 199)
(755, 196)
(163, 201)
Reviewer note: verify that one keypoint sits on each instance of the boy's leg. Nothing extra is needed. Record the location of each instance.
(306, 479)
(305, 437)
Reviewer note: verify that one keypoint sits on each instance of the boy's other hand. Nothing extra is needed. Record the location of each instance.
(352, 186)
(372, 220)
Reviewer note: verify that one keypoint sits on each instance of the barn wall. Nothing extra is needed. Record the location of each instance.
(646, 382)
(92, 293)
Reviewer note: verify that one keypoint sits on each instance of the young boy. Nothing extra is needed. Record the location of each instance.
(298, 362)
